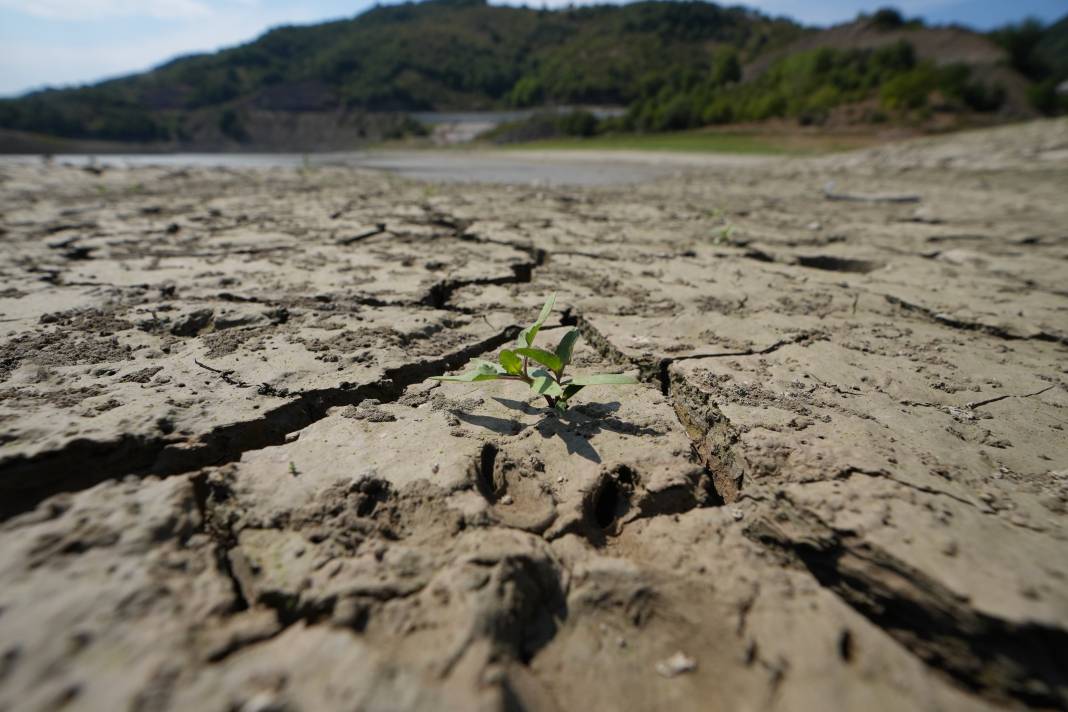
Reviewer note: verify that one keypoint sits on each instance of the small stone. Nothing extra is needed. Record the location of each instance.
(506, 499)
(263, 702)
(678, 664)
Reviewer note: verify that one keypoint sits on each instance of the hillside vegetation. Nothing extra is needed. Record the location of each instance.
(674, 64)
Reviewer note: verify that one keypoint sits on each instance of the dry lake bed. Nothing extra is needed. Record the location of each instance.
(226, 484)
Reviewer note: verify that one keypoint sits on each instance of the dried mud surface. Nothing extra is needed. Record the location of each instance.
(843, 483)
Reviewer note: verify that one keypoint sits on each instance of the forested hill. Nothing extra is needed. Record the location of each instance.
(347, 75)
(442, 54)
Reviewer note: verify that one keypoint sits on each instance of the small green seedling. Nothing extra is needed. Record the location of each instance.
(548, 380)
(723, 234)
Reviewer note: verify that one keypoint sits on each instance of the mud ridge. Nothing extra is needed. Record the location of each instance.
(713, 435)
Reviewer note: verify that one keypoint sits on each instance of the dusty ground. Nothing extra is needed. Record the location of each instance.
(843, 485)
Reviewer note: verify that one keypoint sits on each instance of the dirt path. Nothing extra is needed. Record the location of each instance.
(843, 484)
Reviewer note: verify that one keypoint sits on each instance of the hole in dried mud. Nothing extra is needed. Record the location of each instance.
(484, 476)
(712, 496)
(611, 500)
(606, 507)
(526, 502)
(8, 660)
(845, 646)
(373, 492)
(288, 609)
(358, 619)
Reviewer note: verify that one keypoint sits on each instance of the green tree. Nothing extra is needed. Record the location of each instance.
(232, 126)
(727, 68)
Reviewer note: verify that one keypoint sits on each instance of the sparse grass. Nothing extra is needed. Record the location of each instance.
(725, 227)
(703, 141)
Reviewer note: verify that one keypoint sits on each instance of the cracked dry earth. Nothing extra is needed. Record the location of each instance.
(842, 485)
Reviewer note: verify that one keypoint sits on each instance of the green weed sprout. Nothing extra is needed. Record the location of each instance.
(547, 380)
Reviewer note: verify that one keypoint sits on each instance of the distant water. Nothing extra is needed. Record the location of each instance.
(452, 166)
(180, 160)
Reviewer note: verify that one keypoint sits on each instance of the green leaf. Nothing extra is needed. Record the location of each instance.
(486, 366)
(603, 379)
(547, 309)
(469, 377)
(511, 363)
(567, 346)
(526, 336)
(545, 358)
(546, 386)
(570, 390)
(483, 371)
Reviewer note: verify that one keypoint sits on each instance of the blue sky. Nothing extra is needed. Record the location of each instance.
(66, 42)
